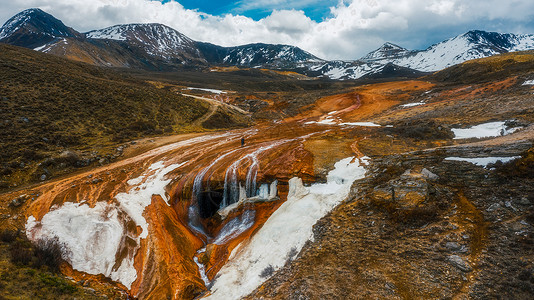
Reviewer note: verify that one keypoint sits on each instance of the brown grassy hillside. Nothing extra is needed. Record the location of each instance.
(49, 105)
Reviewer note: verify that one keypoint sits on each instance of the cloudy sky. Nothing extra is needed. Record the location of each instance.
(330, 29)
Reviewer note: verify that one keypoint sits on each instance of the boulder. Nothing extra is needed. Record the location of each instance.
(459, 263)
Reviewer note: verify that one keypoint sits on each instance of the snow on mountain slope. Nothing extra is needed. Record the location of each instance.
(159, 47)
(342, 70)
(259, 55)
(15, 23)
(388, 50)
(32, 28)
(156, 39)
(471, 45)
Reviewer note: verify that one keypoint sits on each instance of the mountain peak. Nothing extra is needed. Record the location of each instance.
(387, 50)
(136, 31)
(34, 27)
(156, 39)
(391, 46)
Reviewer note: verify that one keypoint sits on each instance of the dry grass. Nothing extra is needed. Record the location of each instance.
(49, 105)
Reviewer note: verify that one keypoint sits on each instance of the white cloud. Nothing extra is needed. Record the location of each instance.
(355, 27)
(291, 22)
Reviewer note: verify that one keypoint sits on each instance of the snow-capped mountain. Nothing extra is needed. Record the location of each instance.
(32, 28)
(261, 55)
(257, 55)
(386, 51)
(155, 39)
(471, 45)
(343, 70)
(159, 47)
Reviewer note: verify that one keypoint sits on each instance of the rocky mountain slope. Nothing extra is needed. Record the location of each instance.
(159, 47)
(471, 45)
(156, 40)
(33, 28)
(146, 46)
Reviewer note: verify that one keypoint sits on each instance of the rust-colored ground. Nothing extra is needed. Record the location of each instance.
(363, 102)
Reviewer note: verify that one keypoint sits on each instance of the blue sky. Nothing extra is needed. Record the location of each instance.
(329, 29)
(317, 10)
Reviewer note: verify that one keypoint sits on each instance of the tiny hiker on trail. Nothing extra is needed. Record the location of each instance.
(242, 141)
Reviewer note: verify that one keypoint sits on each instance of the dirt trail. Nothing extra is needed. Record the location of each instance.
(471, 219)
(217, 103)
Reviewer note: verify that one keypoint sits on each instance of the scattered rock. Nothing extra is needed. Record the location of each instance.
(96, 180)
(429, 175)
(524, 201)
(69, 156)
(459, 263)
(18, 201)
(43, 177)
(391, 286)
(452, 246)
(493, 207)
(509, 205)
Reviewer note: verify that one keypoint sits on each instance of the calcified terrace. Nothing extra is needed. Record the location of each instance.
(168, 220)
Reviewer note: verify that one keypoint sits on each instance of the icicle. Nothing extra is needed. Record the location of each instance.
(273, 191)
(263, 191)
(242, 193)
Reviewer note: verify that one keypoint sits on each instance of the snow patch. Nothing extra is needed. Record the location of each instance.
(286, 231)
(483, 161)
(412, 104)
(40, 47)
(213, 91)
(330, 121)
(491, 129)
(364, 124)
(529, 82)
(91, 236)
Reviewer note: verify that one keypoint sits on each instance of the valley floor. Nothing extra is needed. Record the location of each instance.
(368, 193)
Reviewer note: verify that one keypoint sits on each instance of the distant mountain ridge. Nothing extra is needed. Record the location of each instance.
(471, 45)
(159, 47)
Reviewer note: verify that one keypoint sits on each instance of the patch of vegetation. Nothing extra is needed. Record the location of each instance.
(488, 69)
(31, 271)
(44, 254)
(224, 119)
(523, 167)
(421, 130)
(267, 272)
